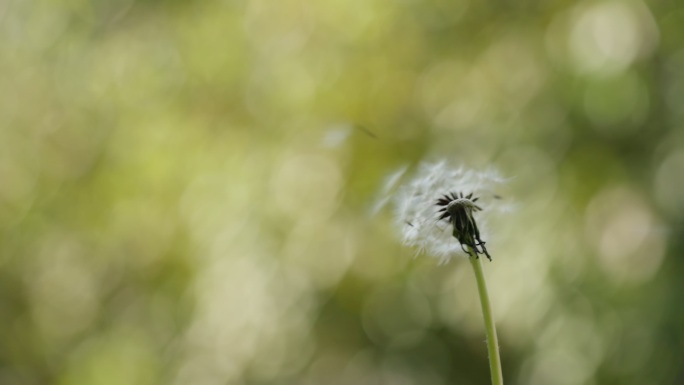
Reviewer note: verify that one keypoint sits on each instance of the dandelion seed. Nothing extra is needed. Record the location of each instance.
(444, 211)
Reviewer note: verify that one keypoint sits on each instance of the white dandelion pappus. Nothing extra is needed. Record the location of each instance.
(427, 228)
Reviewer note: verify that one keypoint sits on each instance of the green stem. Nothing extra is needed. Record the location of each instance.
(490, 328)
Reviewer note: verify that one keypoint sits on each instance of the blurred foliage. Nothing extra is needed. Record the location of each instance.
(186, 190)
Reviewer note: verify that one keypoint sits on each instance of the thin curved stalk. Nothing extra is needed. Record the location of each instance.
(490, 328)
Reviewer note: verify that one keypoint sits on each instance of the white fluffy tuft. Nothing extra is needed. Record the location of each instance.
(416, 212)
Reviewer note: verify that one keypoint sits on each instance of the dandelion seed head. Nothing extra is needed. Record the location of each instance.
(425, 204)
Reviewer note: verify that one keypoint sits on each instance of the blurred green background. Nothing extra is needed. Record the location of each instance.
(186, 190)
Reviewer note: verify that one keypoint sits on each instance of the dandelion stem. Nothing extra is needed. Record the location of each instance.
(490, 328)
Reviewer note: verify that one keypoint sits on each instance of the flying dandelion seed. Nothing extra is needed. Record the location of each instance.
(443, 212)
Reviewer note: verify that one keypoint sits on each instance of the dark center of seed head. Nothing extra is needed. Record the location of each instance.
(458, 206)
